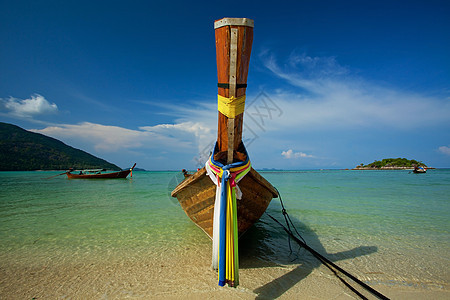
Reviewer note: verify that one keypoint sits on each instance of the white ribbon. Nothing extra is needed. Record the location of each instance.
(215, 237)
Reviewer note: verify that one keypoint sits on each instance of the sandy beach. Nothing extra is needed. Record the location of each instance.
(186, 273)
(131, 242)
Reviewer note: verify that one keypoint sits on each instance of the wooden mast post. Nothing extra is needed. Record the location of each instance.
(234, 37)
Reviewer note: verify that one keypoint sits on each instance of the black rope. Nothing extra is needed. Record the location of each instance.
(329, 264)
(287, 219)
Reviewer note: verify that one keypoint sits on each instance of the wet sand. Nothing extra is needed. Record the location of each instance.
(186, 273)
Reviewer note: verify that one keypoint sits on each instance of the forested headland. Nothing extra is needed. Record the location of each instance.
(22, 150)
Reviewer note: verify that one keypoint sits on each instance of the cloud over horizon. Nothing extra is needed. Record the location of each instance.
(290, 154)
(444, 149)
(106, 138)
(326, 95)
(190, 134)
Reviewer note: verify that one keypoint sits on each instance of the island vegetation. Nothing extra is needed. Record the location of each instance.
(391, 164)
(22, 150)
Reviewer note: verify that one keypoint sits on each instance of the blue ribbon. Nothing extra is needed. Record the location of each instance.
(223, 212)
(223, 227)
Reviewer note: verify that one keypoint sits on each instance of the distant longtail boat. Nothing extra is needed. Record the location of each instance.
(227, 196)
(419, 169)
(98, 174)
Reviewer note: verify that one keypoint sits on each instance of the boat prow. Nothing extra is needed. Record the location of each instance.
(196, 195)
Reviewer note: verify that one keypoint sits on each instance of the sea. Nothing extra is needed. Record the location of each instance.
(388, 228)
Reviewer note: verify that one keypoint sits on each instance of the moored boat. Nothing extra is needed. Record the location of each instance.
(419, 169)
(98, 174)
(227, 193)
(196, 195)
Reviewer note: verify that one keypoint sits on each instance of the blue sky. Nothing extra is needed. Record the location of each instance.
(332, 84)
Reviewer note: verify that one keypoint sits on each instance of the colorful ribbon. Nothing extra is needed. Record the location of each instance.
(225, 226)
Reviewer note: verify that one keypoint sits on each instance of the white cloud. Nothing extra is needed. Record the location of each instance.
(323, 95)
(36, 105)
(190, 137)
(101, 137)
(290, 154)
(444, 150)
(197, 131)
(104, 138)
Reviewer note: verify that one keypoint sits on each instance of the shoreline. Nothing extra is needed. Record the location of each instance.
(184, 271)
(63, 239)
(188, 275)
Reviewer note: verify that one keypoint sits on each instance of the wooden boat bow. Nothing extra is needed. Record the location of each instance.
(234, 37)
(229, 167)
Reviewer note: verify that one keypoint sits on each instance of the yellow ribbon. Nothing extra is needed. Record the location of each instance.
(231, 107)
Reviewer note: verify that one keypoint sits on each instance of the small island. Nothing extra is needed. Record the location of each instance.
(392, 164)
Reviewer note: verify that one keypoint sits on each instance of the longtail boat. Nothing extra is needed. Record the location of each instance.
(98, 174)
(227, 196)
(419, 169)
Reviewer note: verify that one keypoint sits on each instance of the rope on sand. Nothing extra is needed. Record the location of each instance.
(329, 264)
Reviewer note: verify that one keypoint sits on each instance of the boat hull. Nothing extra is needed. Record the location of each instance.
(196, 195)
(120, 174)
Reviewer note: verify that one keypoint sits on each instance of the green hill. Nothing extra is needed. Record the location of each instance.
(391, 164)
(22, 150)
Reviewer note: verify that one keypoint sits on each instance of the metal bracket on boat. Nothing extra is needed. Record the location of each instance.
(234, 22)
(232, 90)
(233, 61)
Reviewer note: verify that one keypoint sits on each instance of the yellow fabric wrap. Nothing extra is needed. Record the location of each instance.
(231, 107)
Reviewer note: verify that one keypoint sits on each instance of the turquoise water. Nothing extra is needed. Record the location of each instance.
(63, 217)
(394, 224)
(379, 203)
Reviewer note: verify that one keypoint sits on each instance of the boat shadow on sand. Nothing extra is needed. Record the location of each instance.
(266, 245)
